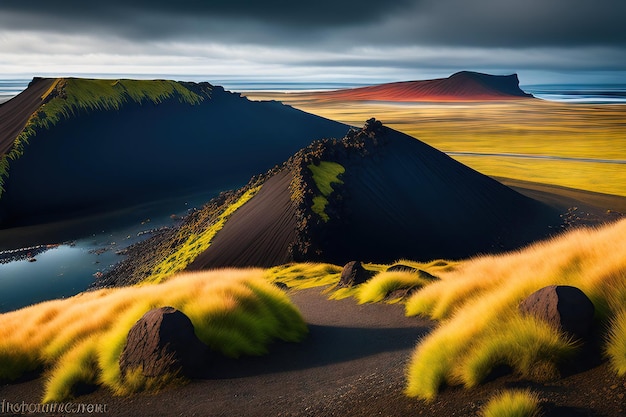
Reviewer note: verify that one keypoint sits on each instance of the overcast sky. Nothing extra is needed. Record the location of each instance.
(315, 40)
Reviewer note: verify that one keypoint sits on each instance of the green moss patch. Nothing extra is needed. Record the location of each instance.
(325, 175)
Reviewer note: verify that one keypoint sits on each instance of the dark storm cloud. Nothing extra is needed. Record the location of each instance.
(142, 13)
(334, 36)
(519, 23)
(340, 23)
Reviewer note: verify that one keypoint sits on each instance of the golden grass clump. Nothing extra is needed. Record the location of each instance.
(481, 328)
(380, 286)
(305, 275)
(79, 340)
(513, 403)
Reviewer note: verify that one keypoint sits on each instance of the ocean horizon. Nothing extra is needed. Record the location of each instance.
(587, 93)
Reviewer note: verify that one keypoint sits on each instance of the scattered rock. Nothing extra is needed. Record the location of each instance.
(163, 342)
(564, 307)
(353, 273)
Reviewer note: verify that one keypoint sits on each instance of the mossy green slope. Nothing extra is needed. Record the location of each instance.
(68, 97)
(325, 174)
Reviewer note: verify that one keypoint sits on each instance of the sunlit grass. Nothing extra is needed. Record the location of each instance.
(384, 283)
(616, 344)
(195, 244)
(325, 174)
(481, 328)
(79, 340)
(512, 403)
(532, 127)
(528, 346)
(305, 275)
(616, 338)
(590, 176)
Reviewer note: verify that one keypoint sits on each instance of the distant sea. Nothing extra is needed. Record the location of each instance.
(569, 93)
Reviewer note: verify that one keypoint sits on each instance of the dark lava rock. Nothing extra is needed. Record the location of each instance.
(353, 273)
(163, 342)
(564, 307)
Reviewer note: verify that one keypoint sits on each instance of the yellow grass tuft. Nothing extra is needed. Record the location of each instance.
(513, 403)
(616, 343)
(79, 340)
(305, 275)
(384, 283)
(476, 302)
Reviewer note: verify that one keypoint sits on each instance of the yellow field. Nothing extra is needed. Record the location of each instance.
(523, 128)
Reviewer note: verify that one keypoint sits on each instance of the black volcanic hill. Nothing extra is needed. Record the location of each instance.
(390, 197)
(461, 86)
(76, 146)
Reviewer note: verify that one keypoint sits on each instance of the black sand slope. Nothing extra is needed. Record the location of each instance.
(15, 113)
(399, 198)
(98, 160)
(268, 221)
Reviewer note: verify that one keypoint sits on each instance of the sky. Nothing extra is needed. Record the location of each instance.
(365, 41)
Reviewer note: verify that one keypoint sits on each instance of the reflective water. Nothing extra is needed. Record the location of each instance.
(70, 268)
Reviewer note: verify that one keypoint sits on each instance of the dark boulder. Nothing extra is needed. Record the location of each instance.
(566, 308)
(163, 342)
(353, 273)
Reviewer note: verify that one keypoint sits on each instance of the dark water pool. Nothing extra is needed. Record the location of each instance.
(70, 268)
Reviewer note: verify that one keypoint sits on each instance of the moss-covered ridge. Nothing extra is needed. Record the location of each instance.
(67, 97)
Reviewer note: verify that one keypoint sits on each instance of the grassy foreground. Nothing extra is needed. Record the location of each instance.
(481, 328)
(78, 341)
(238, 312)
(476, 302)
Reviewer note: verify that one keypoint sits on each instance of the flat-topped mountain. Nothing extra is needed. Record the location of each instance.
(76, 146)
(462, 86)
(376, 195)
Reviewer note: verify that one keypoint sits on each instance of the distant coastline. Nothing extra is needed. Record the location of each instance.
(566, 93)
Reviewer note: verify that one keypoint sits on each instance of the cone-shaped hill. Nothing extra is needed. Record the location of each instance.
(461, 86)
(71, 146)
(376, 195)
